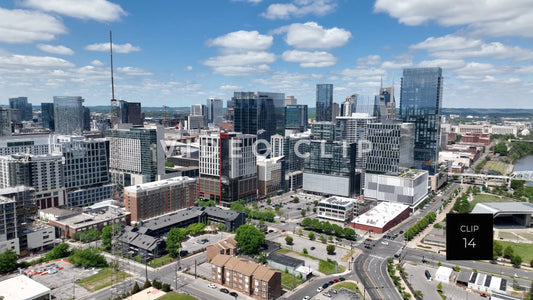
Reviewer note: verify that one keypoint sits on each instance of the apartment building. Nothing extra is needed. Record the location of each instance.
(227, 246)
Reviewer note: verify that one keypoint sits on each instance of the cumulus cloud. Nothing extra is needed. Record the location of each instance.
(189, 68)
(23, 26)
(99, 10)
(24, 61)
(492, 18)
(443, 63)
(59, 49)
(369, 60)
(133, 71)
(97, 63)
(306, 59)
(310, 35)
(242, 41)
(119, 48)
(230, 87)
(299, 8)
(252, 62)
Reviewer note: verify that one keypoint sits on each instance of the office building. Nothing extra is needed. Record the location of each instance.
(326, 131)
(330, 169)
(25, 211)
(21, 105)
(130, 112)
(47, 115)
(392, 147)
(136, 154)
(31, 144)
(420, 103)
(293, 149)
(409, 187)
(382, 217)
(290, 100)
(338, 209)
(215, 111)
(5, 122)
(68, 115)
(197, 119)
(324, 102)
(42, 172)
(385, 104)
(349, 106)
(159, 197)
(8, 225)
(86, 119)
(228, 170)
(296, 117)
(259, 113)
(353, 129)
(269, 175)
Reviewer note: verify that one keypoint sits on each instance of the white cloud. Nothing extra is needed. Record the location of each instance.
(23, 26)
(369, 60)
(299, 8)
(248, 63)
(28, 61)
(230, 87)
(310, 35)
(119, 48)
(448, 42)
(306, 59)
(97, 63)
(443, 63)
(189, 68)
(59, 49)
(492, 18)
(242, 41)
(133, 71)
(99, 10)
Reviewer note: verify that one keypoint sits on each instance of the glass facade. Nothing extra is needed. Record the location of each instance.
(215, 111)
(47, 115)
(324, 102)
(420, 103)
(296, 117)
(68, 115)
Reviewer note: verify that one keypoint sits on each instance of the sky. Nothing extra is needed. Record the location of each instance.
(179, 53)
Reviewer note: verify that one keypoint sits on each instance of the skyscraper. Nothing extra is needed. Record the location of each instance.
(349, 106)
(21, 104)
(68, 115)
(420, 103)
(130, 112)
(259, 113)
(384, 104)
(296, 117)
(215, 111)
(47, 115)
(5, 121)
(324, 102)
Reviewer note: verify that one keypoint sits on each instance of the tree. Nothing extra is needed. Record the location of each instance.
(311, 235)
(508, 252)
(300, 232)
(262, 258)
(439, 286)
(135, 288)
(497, 248)
(457, 268)
(296, 200)
(323, 238)
(89, 257)
(289, 240)
(249, 238)
(174, 238)
(269, 201)
(236, 206)
(302, 212)
(165, 287)
(147, 284)
(107, 234)
(419, 294)
(59, 251)
(8, 261)
(196, 228)
(516, 260)
(307, 222)
(349, 233)
(501, 148)
(304, 251)
(330, 249)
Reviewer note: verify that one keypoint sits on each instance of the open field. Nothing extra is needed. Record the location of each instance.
(497, 166)
(102, 279)
(175, 296)
(523, 250)
(289, 281)
(481, 198)
(347, 285)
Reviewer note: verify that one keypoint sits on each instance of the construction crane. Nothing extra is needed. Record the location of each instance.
(165, 123)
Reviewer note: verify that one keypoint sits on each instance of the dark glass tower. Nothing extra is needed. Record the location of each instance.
(324, 102)
(47, 115)
(259, 113)
(296, 117)
(420, 103)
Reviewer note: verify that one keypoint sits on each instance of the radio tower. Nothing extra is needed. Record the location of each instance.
(114, 105)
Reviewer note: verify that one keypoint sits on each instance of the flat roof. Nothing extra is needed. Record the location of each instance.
(340, 201)
(92, 217)
(285, 260)
(150, 293)
(155, 185)
(22, 288)
(381, 214)
(444, 271)
(503, 208)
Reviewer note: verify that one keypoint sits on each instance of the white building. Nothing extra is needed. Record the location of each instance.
(504, 129)
(410, 187)
(23, 288)
(40, 235)
(443, 274)
(268, 175)
(336, 208)
(487, 283)
(382, 217)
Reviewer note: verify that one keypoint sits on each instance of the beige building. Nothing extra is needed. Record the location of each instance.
(268, 175)
(226, 246)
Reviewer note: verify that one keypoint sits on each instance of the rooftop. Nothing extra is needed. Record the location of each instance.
(155, 185)
(285, 260)
(503, 208)
(411, 173)
(93, 217)
(22, 288)
(380, 215)
(340, 201)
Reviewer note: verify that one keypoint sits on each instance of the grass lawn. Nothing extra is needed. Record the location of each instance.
(347, 256)
(289, 281)
(176, 296)
(480, 198)
(324, 266)
(347, 285)
(102, 279)
(523, 250)
(160, 261)
(497, 166)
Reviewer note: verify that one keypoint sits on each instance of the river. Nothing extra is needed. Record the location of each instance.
(524, 164)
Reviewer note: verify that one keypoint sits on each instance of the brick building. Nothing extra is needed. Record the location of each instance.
(226, 246)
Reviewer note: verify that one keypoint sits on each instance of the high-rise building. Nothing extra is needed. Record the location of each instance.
(290, 100)
(296, 117)
(44, 173)
(349, 106)
(215, 111)
(136, 154)
(197, 119)
(47, 115)
(269, 175)
(86, 119)
(326, 131)
(156, 198)
(385, 104)
(392, 147)
(25, 211)
(228, 171)
(5, 122)
(21, 104)
(293, 149)
(324, 102)
(130, 112)
(31, 144)
(68, 115)
(259, 113)
(420, 103)
(353, 129)
(8, 225)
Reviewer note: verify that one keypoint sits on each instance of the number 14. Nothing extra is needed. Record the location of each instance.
(470, 243)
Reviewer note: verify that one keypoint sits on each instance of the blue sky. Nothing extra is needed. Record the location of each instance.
(180, 53)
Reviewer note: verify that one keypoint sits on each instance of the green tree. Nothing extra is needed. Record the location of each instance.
(300, 231)
(349, 233)
(304, 251)
(457, 268)
(419, 294)
(249, 238)
(508, 252)
(269, 201)
(311, 235)
(174, 238)
(107, 234)
(501, 148)
(497, 248)
(289, 240)
(307, 222)
(262, 258)
(516, 260)
(89, 257)
(322, 238)
(439, 286)
(302, 212)
(296, 200)
(330, 249)
(236, 206)
(196, 228)
(59, 251)
(8, 261)
(135, 288)
(147, 284)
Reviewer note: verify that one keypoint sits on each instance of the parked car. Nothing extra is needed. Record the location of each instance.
(327, 294)
(307, 298)
(312, 248)
(334, 291)
(225, 291)
(342, 278)
(325, 285)
(212, 285)
(319, 289)
(234, 294)
(336, 280)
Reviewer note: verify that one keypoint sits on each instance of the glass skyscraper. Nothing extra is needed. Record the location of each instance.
(324, 102)
(420, 103)
(296, 117)
(47, 115)
(215, 111)
(68, 115)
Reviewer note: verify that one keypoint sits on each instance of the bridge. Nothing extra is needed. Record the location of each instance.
(493, 180)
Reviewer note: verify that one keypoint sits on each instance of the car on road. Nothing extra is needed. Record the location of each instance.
(283, 230)
(334, 291)
(319, 289)
(270, 231)
(327, 294)
(342, 278)
(385, 243)
(202, 241)
(212, 285)
(325, 285)
(336, 280)
(401, 231)
(312, 248)
(234, 294)
(307, 298)
(225, 291)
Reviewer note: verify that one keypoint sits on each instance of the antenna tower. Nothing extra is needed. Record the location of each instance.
(114, 105)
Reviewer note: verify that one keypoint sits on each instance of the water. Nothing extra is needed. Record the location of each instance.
(524, 164)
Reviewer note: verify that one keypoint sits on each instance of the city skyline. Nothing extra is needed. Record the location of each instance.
(179, 54)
